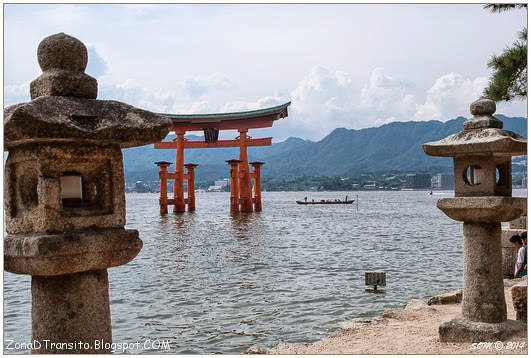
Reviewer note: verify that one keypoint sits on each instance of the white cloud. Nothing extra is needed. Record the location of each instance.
(14, 94)
(325, 100)
(156, 100)
(449, 97)
(387, 99)
(96, 66)
(322, 101)
(197, 86)
(265, 102)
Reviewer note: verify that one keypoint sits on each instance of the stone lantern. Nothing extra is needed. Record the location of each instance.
(65, 197)
(483, 199)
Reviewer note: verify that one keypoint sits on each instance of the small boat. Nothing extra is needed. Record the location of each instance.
(329, 202)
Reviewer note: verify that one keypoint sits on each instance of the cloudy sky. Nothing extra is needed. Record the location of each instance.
(352, 66)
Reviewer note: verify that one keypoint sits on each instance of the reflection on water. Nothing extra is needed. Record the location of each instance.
(213, 282)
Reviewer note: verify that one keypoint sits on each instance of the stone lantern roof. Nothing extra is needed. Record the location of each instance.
(64, 107)
(482, 134)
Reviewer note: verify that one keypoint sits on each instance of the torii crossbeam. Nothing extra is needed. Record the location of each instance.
(211, 124)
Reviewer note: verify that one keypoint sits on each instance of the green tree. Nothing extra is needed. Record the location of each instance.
(509, 78)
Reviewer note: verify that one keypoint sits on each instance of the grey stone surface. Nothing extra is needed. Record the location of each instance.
(62, 52)
(63, 60)
(482, 111)
(519, 295)
(483, 292)
(462, 331)
(520, 223)
(64, 83)
(80, 120)
(483, 106)
(483, 168)
(482, 140)
(446, 298)
(32, 187)
(69, 309)
(49, 255)
(483, 122)
(486, 209)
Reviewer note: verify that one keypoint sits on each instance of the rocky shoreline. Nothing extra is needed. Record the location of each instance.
(410, 330)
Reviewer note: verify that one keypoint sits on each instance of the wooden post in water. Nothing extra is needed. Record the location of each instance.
(257, 186)
(178, 185)
(245, 177)
(163, 175)
(234, 185)
(190, 177)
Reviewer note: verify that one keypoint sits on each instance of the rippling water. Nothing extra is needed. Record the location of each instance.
(210, 282)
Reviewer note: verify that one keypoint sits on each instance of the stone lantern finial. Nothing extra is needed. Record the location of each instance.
(63, 60)
(482, 111)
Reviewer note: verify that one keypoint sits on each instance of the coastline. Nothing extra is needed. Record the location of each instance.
(413, 329)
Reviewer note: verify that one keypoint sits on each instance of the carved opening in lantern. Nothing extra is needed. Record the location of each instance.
(71, 188)
(473, 175)
(87, 190)
(503, 178)
(22, 183)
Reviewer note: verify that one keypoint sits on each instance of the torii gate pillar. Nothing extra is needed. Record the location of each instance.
(163, 175)
(190, 177)
(246, 200)
(234, 186)
(178, 185)
(257, 187)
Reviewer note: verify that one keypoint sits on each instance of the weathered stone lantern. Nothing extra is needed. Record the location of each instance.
(483, 199)
(65, 197)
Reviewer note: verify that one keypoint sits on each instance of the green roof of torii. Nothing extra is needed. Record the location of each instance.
(232, 115)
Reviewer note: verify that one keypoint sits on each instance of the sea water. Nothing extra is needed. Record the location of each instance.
(212, 282)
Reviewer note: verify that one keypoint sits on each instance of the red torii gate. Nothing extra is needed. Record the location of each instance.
(211, 124)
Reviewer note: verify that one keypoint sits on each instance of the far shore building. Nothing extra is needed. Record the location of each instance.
(214, 189)
(445, 181)
(418, 181)
(372, 186)
(222, 182)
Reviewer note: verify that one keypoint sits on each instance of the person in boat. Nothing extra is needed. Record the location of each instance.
(346, 198)
(305, 199)
(521, 260)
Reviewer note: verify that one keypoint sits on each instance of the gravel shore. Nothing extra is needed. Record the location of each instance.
(412, 330)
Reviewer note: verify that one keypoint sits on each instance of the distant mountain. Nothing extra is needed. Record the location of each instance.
(395, 146)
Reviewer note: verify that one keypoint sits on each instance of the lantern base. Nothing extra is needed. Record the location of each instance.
(462, 331)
